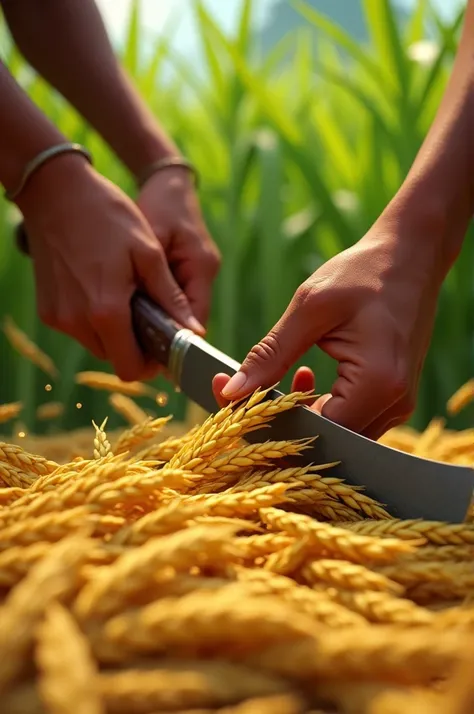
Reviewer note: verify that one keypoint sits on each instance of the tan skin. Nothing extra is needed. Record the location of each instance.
(92, 246)
(372, 307)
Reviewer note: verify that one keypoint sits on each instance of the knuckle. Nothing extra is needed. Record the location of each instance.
(212, 260)
(305, 297)
(267, 349)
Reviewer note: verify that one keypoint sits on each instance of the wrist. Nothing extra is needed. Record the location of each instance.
(430, 221)
(65, 172)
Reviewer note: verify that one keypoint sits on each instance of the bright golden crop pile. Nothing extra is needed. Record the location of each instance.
(198, 574)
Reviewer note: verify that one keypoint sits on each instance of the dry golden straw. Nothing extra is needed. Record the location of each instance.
(127, 408)
(24, 346)
(111, 383)
(9, 411)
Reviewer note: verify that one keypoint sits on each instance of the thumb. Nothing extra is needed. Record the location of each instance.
(159, 283)
(296, 331)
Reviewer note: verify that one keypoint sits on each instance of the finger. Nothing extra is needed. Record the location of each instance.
(362, 393)
(113, 322)
(153, 271)
(299, 328)
(198, 291)
(218, 384)
(303, 380)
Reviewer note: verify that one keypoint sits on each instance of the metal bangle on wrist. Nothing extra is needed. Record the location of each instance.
(41, 159)
(167, 163)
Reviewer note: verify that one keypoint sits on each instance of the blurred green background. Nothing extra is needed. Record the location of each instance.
(301, 137)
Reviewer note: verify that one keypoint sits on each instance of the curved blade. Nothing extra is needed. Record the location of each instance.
(409, 486)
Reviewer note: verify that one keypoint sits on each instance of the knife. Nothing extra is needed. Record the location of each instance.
(409, 486)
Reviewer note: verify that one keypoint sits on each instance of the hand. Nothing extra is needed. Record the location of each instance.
(169, 204)
(91, 249)
(371, 308)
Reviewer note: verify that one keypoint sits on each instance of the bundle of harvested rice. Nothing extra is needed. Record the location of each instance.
(197, 573)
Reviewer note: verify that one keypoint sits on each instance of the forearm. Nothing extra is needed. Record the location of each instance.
(66, 42)
(437, 197)
(24, 131)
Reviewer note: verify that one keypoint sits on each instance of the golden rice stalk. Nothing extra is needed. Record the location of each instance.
(57, 492)
(196, 622)
(409, 701)
(445, 553)
(317, 605)
(435, 593)
(184, 684)
(10, 494)
(49, 410)
(307, 475)
(289, 559)
(49, 527)
(382, 607)
(96, 491)
(165, 450)
(174, 515)
(139, 433)
(223, 429)
(111, 383)
(386, 653)
(409, 574)
(68, 675)
(14, 476)
(54, 577)
(255, 546)
(460, 617)
(431, 435)
(334, 511)
(116, 584)
(348, 576)
(282, 704)
(356, 548)
(247, 456)
(344, 501)
(352, 697)
(80, 469)
(9, 411)
(459, 694)
(461, 398)
(135, 489)
(17, 561)
(101, 444)
(22, 344)
(435, 532)
(31, 464)
(127, 408)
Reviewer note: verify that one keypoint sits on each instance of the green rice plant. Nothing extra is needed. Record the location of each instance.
(298, 150)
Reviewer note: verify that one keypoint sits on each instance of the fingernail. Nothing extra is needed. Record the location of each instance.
(234, 385)
(196, 326)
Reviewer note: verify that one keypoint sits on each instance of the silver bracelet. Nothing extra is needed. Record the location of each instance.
(167, 163)
(41, 159)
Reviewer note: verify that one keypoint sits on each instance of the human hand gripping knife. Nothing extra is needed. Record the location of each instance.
(409, 486)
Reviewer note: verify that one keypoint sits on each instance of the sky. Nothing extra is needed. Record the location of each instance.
(157, 13)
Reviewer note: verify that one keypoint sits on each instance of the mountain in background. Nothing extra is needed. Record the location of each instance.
(348, 14)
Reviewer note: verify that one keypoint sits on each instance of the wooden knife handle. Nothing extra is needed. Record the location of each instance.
(154, 329)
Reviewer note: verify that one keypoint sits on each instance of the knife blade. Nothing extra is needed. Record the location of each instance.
(409, 486)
